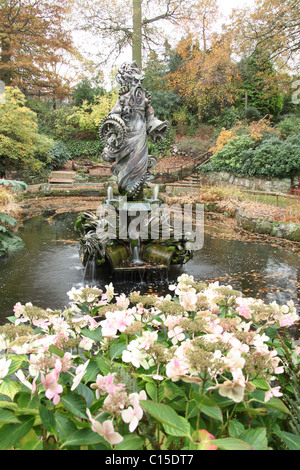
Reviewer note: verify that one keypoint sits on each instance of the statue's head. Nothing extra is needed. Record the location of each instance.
(130, 75)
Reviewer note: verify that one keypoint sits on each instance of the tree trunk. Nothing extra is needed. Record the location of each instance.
(137, 32)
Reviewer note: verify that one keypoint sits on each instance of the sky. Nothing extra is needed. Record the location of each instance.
(225, 6)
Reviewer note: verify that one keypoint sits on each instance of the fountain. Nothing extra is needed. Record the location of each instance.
(132, 232)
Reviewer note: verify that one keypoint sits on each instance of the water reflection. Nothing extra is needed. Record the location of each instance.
(50, 266)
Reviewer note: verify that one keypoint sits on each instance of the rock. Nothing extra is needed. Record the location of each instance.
(293, 232)
(248, 224)
(264, 226)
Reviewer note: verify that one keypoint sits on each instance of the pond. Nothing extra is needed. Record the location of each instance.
(50, 266)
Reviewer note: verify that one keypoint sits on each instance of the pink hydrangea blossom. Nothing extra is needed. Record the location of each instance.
(80, 371)
(273, 392)
(105, 430)
(51, 385)
(189, 300)
(4, 367)
(286, 320)
(122, 301)
(176, 335)
(132, 415)
(175, 369)
(106, 384)
(18, 309)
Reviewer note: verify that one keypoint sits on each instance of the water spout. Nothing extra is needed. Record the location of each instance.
(136, 256)
(155, 192)
(110, 194)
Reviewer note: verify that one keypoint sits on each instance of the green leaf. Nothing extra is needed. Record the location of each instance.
(8, 404)
(9, 388)
(208, 406)
(261, 383)
(174, 389)
(103, 365)
(278, 405)
(55, 350)
(292, 441)
(83, 437)
(212, 411)
(36, 444)
(173, 423)
(274, 403)
(64, 425)
(16, 362)
(75, 404)
(257, 438)
(7, 416)
(229, 443)
(11, 434)
(86, 393)
(235, 428)
(154, 393)
(95, 335)
(131, 442)
(7, 219)
(91, 372)
(48, 419)
(116, 349)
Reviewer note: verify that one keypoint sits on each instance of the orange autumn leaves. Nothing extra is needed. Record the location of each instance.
(206, 78)
(35, 42)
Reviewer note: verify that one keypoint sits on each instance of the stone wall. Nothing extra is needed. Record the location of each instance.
(287, 230)
(258, 184)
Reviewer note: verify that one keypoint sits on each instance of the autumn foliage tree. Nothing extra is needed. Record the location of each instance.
(206, 79)
(34, 41)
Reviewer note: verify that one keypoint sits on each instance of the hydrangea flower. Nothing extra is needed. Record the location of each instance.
(4, 368)
(105, 430)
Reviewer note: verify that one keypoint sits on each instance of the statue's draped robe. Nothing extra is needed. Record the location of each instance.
(131, 158)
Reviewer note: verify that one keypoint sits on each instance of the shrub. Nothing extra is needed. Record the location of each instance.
(90, 149)
(56, 157)
(59, 155)
(228, 118)
(191, 372)
(88, 117)
(277, 158)
(20, 141)
(230, 156)
(255, 150)
(289, 125)
(55, 122)
(9, 242)
(165, 104)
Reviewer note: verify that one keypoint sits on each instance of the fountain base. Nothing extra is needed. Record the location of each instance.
(102, 237)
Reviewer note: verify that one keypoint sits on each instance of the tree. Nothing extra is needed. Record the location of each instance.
(137, 32)
(33, 42)
(207, 80)
(85, 91)
(261, 83)
(20, 142)
(271, 25)
(139, 24)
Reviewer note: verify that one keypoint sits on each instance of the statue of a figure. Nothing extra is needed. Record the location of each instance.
(125, 133)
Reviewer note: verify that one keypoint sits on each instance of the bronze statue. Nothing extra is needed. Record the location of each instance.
(125, 133)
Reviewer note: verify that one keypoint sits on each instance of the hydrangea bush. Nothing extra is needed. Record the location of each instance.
(199, 368)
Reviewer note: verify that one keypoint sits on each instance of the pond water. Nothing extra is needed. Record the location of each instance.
(50, 266)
